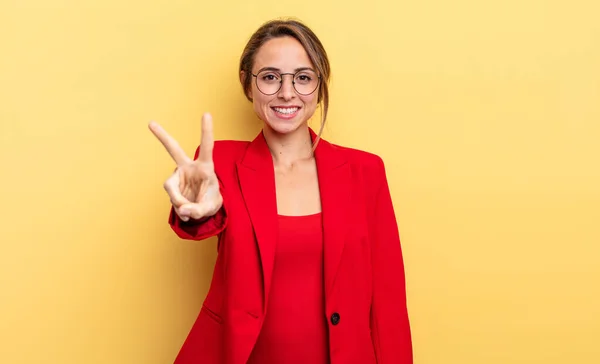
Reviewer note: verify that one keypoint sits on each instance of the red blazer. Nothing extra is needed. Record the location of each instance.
(365, 296)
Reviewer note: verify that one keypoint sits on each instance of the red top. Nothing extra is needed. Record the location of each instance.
(295, 326)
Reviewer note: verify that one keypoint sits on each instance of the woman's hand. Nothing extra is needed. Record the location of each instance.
(193, 188)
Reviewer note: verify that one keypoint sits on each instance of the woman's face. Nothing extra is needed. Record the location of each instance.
(285, 110)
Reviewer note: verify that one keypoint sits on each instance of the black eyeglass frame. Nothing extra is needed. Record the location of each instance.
(293, 81)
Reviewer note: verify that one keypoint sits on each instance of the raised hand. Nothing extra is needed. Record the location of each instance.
(193, 188)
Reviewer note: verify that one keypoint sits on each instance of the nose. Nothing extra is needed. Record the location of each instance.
(287, 91)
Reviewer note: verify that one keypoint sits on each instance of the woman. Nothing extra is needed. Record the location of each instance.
(309, 266)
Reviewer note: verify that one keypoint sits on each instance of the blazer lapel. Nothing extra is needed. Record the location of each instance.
(334, 184)
(257, 181)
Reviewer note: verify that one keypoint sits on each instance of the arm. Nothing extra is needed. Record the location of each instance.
(390, 328)
(194, 188)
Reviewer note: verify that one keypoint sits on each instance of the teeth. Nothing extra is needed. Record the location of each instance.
(286, 110)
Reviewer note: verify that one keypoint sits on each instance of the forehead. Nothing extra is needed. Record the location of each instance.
(285, 53)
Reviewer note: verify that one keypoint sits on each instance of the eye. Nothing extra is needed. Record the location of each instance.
(269, 77)
(305, 78)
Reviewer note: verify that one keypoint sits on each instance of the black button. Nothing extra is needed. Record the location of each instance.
(335, 318)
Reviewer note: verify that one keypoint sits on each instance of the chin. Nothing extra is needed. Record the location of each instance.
(284, 126)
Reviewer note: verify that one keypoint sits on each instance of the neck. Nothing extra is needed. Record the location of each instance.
(290, 148)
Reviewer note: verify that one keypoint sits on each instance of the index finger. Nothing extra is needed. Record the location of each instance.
(207, 141)
(169, 143)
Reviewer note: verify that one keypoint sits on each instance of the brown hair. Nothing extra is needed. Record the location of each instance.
(315, 50)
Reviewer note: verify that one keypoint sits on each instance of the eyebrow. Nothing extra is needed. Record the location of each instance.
(279, 70)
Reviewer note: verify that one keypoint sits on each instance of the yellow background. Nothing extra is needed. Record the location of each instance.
(486, 112)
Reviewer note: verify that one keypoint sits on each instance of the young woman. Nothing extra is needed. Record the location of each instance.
(309, 266)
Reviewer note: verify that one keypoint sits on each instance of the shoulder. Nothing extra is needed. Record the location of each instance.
(368, 163)
(368, 172)
(226, 150)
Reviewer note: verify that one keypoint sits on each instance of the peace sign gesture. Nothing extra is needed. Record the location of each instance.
(193, 188)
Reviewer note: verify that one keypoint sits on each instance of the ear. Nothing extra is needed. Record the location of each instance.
(247, 92)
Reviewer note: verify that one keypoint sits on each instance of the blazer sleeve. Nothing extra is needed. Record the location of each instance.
(204, 228)
(390, 328)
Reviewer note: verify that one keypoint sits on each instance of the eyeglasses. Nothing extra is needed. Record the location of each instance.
(305, 81)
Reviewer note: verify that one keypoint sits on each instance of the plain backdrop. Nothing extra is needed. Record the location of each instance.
(486, 114)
